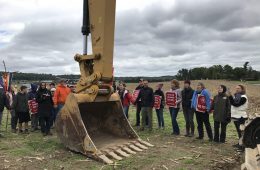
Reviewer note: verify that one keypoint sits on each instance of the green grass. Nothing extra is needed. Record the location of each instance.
(14, 147)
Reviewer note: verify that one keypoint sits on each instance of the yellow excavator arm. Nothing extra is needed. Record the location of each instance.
(92, 120)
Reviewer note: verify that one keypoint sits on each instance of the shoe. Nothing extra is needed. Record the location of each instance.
(175, 134)
(241, 149)
(236, 145)
(199, 138)
(49, 134)
(187, 135)
(141, 129)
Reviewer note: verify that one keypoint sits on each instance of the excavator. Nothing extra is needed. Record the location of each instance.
(251, 142)
(92, 121)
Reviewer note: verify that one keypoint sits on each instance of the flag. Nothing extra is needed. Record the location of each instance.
(6, 81)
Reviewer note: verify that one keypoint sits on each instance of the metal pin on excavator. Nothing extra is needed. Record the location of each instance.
(92, 121)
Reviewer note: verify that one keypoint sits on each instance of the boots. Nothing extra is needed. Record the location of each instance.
(187, 132)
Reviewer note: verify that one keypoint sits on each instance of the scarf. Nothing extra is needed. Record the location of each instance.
(237, 97)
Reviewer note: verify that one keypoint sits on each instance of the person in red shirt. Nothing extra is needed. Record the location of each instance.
(125, 97)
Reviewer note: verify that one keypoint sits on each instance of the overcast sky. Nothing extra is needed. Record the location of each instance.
(153, 37)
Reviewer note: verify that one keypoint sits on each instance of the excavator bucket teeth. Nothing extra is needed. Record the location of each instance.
(98, 129)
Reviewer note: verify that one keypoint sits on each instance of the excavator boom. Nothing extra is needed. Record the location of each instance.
(92, 120)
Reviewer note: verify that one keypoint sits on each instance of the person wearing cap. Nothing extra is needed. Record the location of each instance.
(221, 114)
(188, 113)
(159, 111)
(201, 104)
(60, 95)
(54, 110)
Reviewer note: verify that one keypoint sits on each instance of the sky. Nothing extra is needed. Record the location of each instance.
(152, 37)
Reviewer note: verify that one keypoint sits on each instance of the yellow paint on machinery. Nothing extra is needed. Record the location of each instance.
(92, 121)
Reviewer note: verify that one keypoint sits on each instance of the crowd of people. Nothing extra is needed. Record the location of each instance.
(38, 105)
(224, 106)
(42, 103)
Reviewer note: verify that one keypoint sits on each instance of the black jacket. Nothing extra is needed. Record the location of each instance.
(3, 101)
(222, 108)
(159, 92)
(146, 96)
(187, 97)
(45, 102)
(20, 103)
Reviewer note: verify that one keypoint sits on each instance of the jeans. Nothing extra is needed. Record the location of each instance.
(160, 118)
(203, 118)
(188, 115)
(53, 116)
(34, 121)
(222, 136)
(174, 113)
(60, 106)
(147, 112)
(45, 124)
(237, 123)
(14, 120)
(126, 109)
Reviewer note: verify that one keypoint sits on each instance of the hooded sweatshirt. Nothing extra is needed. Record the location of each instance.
(61, 94)
(33, 105)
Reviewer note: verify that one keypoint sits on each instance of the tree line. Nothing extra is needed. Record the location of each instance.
(215, 72)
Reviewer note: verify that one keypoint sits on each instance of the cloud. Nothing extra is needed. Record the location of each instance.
(152, 38)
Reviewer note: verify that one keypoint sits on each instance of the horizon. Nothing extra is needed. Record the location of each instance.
(152, 37)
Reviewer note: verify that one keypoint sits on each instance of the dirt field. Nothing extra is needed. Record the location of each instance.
(36, 152)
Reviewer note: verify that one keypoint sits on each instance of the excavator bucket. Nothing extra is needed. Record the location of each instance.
(98, 129)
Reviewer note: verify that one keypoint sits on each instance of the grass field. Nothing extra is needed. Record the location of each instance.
(34, 151)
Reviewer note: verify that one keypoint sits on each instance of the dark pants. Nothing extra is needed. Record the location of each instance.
(14, 120)
(237, 123)
(203, 118)
(160, 118)
(174, 113)
(34, 121)
(222, 136)
(147, 112)
(45, 124)
(138, 111)
(188, 115)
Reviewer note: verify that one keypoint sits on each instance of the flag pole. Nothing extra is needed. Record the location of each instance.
(8, 112)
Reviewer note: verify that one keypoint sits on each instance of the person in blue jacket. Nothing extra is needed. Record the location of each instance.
(201, 104)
